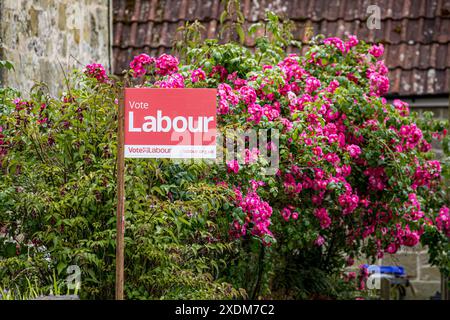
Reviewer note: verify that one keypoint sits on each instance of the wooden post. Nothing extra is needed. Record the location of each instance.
(120, 197)
(385, 289)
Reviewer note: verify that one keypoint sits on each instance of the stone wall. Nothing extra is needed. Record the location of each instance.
(40, 36)
(439, 112)
(424, 278)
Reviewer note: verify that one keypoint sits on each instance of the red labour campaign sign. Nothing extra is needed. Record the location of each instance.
(170, 123)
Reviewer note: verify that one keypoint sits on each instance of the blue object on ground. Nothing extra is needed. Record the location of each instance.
(396, 270)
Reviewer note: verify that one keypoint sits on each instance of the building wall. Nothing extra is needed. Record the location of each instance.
(40, 36)
(439, 107)
(425, 279)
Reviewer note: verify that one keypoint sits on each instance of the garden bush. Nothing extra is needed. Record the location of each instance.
(58, 202)
(356, 179)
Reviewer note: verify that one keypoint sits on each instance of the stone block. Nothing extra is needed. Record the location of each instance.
(423, 259)
(76, 35)
(34, 21)
(417, 249)
(62, 16)
(423, 290)
(429, 273)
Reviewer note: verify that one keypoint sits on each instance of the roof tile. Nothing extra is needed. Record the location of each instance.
(416, 33)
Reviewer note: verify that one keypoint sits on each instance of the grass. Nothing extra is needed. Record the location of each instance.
(34, 290)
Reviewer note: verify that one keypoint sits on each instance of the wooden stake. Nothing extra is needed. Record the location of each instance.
(385, 289)
(120, 198)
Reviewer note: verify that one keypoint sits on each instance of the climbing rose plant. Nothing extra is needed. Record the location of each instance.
(353, 168)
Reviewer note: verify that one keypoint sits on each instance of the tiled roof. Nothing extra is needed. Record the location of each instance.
(416, 33)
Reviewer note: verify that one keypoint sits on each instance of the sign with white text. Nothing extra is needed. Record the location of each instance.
(170, 123)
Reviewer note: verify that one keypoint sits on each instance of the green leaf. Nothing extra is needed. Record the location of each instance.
(60, 267)
(223, 16)
(6, 64)
(254, 27)
(184, 221)
(240, 32)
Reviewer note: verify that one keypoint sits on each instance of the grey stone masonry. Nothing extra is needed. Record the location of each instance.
(39, 35)
(425, 279)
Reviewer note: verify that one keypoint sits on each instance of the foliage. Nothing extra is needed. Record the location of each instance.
(33, 290)
(356, 176)
(58, 200)
(232, 19)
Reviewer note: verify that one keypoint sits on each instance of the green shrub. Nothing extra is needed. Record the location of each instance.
(58, 202)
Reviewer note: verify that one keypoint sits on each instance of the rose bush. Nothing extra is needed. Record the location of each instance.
(357, 174)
